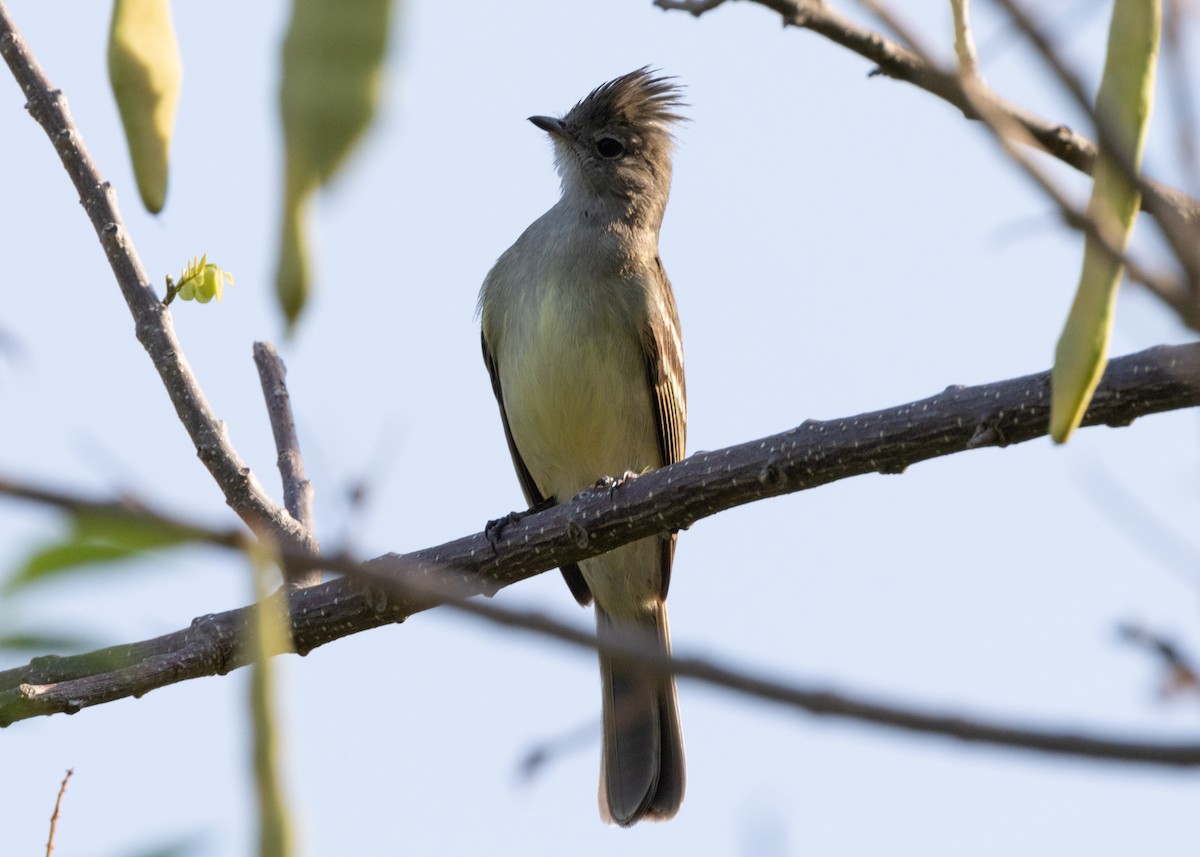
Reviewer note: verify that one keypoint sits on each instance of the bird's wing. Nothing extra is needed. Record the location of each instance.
(662, 347)
(570, 572)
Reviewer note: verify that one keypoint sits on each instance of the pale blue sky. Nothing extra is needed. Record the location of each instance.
(837, 243)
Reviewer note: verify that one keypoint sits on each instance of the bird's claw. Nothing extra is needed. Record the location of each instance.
(495, 527)
(609, 484)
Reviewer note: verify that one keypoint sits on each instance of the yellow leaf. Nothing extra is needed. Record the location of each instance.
(202, 281)
(145, 71)
(1123, 106)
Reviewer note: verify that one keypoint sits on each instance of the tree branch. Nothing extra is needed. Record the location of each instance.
(1181, 673)
(152, 321)
(812, 700)
(297, 490)
(815, 453)
(1177, 212)
(987, 108)
(1181, 239)
(827, 703)
(599, 519)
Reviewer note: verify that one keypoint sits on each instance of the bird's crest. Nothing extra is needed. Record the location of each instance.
(640, 98)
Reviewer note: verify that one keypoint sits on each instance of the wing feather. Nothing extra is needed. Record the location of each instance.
(662, 346)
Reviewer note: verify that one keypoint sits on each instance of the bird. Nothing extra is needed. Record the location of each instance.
(582, 341)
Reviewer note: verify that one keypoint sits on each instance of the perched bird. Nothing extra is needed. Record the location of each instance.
(581, 338)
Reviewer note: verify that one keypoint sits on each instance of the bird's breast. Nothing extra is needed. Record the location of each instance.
(574, 383)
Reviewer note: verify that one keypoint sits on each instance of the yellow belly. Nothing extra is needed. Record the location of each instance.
(578, 400)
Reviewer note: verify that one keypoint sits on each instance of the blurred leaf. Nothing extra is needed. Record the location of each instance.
(292, 283)
(332, 68)
(1123, 106)
(180, 848)
(31, 641)
(271, 632)
(145, 71)
(97, 538)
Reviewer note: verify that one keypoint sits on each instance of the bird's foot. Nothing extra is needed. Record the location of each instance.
(495, 528)
(609, 484)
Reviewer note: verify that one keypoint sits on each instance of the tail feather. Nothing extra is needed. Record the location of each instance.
(642, 769)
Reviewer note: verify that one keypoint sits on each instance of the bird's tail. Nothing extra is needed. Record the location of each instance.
(642, 770)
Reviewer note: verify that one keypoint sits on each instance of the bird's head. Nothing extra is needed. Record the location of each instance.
(614, 146)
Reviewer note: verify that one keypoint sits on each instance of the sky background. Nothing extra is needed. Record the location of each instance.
(837, 243)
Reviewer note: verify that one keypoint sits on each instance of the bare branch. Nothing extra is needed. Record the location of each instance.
(598, 520)
(62, 790)
(1180, 237)
(1177, 212)
(826, 703)
(1181, 673)
(436, 587)
(74, 505)
(988, 108)
(1180, 69)
(297, 490)
(964, 42)
(152, 321)
(815, 453)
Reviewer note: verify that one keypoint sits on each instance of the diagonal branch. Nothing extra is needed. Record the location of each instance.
(152, 321)
(986, 106)
(815, 453)
(1176, 211)
(1180, 237)
(813, 700)
(825, 703)
(62, 790)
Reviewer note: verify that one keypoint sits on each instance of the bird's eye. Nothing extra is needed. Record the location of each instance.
(607, 147)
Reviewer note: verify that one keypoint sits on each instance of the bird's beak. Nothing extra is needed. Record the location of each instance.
(553, 127)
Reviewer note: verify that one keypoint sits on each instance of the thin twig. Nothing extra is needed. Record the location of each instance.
(297, 489)
(1180, 237)
(152, 321)
(62, 790)
(1171, 207)
(125, 507)
(964, 42)
(827, 703)
(1181, 672)
(672, 498)
(541, 754)
(1179, 66)
(1009, 134)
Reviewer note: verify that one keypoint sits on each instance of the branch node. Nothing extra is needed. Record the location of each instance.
(1065, 136)
(988, 432)
(772, 473)
(804, 12)
(577, 534)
